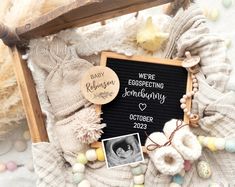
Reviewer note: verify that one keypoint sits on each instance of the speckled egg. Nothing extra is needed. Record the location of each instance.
(204, 170)
(230, 145)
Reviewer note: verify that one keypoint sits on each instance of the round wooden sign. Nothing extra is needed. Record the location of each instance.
(100, 85)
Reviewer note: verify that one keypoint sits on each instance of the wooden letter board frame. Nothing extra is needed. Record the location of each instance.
(146, 59)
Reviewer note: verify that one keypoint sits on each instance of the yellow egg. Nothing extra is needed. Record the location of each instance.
(201, 139)
(211, 144)
(214, 14)
(100, 154)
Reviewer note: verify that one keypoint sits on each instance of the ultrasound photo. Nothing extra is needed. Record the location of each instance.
(123, 150)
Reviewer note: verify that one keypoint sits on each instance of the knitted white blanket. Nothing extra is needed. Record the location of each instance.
(216, 107)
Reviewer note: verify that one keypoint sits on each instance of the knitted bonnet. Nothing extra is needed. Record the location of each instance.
(65, 70)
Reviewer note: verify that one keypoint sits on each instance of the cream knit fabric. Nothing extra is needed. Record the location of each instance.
(188, 31)
(65, 70)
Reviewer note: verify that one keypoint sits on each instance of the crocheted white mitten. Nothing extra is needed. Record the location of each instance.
(166, 159)
(184, 141)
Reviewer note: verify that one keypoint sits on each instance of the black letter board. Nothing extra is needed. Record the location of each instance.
(149, 95)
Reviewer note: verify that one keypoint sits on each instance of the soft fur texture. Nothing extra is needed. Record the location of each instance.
(166, 159)
(11, 110)
(184, 141)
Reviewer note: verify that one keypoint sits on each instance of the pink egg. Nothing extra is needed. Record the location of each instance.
(11, 166)
(2, 167)
(187, 165)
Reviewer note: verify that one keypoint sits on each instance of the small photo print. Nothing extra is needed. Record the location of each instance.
(123, 150)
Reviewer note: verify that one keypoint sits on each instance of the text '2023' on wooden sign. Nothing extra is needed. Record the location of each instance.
(149, 95)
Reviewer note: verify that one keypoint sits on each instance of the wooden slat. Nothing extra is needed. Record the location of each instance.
(80, 13)
(29, 97)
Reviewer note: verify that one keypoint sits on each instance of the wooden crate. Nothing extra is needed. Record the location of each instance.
(76, 14)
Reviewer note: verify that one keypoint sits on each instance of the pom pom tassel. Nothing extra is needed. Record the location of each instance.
(89, 130)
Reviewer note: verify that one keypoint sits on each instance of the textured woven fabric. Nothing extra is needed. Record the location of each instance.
(72, 130)
(216, 108)
(65, 70)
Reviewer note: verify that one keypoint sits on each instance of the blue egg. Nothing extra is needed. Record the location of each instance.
(178, 179)
(137, 170)
(230, 145)
(78, 177)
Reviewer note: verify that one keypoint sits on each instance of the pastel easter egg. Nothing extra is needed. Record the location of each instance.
(139, 179)
(205, 141)
(100, 154)
(214, 14)
(201, 139)
(187, 165)
(220, 143)
(204, 170)
(20, 145)
(211, 144)
(11, 166)
(81, 158)
(3, 167)
(91, 155)
(78, 167)
(78, 177)
(84, 183)
(137, 170)
(144, 167)
(227, 3)
(138, 185)
(230, 145)
(26, 135)
(178, 179)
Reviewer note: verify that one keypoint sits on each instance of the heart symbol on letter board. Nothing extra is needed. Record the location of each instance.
(142, 106)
